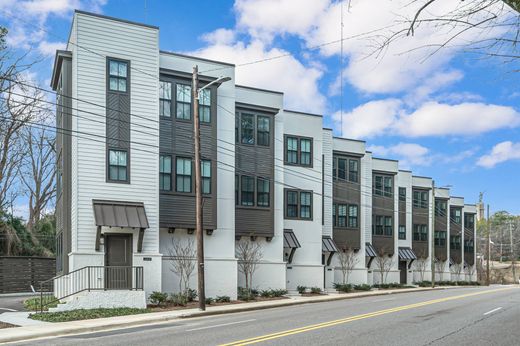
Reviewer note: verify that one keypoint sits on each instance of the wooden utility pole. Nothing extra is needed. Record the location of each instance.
(488, 248)
(198, 193)
(512, 251)
(433, 235)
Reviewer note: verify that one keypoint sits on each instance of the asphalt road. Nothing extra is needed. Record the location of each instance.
(465, 316)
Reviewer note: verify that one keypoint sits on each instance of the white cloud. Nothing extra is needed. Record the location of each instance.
(370, 119)
(409, 154)
(49, 48)
(220, 36)
(501, 152)
(297, 81)
(390, 117)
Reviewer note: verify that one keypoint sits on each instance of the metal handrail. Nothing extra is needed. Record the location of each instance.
(80, 280)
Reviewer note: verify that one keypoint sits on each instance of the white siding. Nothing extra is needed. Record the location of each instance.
(328, 184)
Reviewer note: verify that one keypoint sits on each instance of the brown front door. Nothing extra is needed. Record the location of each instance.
(118, 261)
(403, 269)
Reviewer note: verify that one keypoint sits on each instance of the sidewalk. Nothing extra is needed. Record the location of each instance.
(42, 329)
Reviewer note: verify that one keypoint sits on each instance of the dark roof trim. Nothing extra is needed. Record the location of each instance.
(328, 129)
(456, 197)
(186, 75)
(404, 170)
(196, 58)
(470, 205)
(58, 60)
(347, 153)
(289, 239)
(304, 113)
(370, 250)
(421, 176)
(380, 158)
(259, 89)
(414, 187)
(119, 214)
(328, 244)
(442, 198)
(350, 139)
(116, 19)
(384, 172)
(248, 106)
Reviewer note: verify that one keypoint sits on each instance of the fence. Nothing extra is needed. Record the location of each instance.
(17, 274)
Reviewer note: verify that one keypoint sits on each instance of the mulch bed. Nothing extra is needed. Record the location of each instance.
(313, 294)
(195, 304)
(6, 325)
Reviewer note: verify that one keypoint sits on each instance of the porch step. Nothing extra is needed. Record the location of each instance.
(103, 299)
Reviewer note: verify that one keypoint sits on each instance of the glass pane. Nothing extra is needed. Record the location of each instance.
(122, 84)
(247, 129)
(113, 83)
(205, 97)
(112, 173)
(122, 69)
(122, 173)
(205, 114)
(184, 93)
(305, 145)
(113, 157)
(113, 70)
(206, 185)
(205, 168)
(292, 197)
(165, 90)
(342, 210)
(292, 144)
(305, 198)
(122, 158)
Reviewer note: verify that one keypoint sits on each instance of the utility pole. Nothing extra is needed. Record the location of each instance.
(433, 235)
(488, 248)
(198, 193)
(512, 251)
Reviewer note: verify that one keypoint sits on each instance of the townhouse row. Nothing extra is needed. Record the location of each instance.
(269, 175)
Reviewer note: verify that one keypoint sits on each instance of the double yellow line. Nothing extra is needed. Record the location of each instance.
(356, 318)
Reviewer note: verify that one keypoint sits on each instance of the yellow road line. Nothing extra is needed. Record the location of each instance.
(355, 318)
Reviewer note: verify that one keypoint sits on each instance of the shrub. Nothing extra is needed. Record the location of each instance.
(33, 304)
(209, 300)
(363, 287)
(279, 292)
(158, 298)
(270, 293)
(301, 289)
(178, 299)
(222, 299)
(246, 295)
(342, 287)
(315, 290)
(191, 294)
(84, 314)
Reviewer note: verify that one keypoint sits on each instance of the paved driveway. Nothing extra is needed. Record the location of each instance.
(12, 303)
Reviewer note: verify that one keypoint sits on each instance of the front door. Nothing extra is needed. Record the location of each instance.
(118, 261)
(403, 269)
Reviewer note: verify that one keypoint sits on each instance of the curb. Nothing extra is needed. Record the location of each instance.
(65, 330)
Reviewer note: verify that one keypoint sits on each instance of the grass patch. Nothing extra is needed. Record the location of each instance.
(33, 304)
(85, 314)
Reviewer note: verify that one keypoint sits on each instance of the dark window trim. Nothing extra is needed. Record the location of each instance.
(171, 172)
(298, 155)
(255, 114)
(298, 191)
(107, 77)
(192, 190)
(419, 232)
(107, 163)
(238, 192)
(401, 235)
(382, 194)
(335, 221)
(335, 167)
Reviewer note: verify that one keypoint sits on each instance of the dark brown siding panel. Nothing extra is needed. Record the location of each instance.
(254, 221)
(384, 206)
(441, 224)
(456, 229)
(420, 216)
(402, 213)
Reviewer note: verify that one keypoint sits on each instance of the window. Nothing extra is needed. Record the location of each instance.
(305, 205)
(468, 245)
(183, 101)
(389, 229)
(334, 222)
(416, 199)
(183, 170)
(237, 126)
(298, 151)
(237, 183)
(424, 199)
(165, 173)
(118, 71)
(248, 191)
(420, 232)
(388, 186)
(420, 199)
(165, 99)
(378, 227)
(342, 168)
(262, 195)
(353, 216)
(205, 106)
(353, 170)
(440, 238)
(292, 150)
(205, 173)
(262, 130)
(342, 215)
(402, 194)
(247, 128)
(305, 152)
(292, 204)
(378, 185)
(456, 216)
(469, 221)
(440, 208)
(117, 170)
(402, 232)
(455, 241)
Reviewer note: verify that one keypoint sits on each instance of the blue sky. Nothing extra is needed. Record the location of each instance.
(454, 116)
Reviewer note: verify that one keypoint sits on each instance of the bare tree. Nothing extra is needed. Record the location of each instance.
(248, 253)
(439, 268)
(38, 172)
(421, 265)
(456, 269)
(347, 262)
(470, 270)
(384, 263)
(182, 262)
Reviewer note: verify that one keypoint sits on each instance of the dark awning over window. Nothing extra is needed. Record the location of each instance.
(290, 240)
(370, 250)
(328, 245)
(405, 253)
(120, 214)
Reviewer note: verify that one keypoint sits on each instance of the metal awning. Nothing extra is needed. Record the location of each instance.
(370, 250)
(120, 214)
(406, 253)
(289, 239)
(328, 245)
